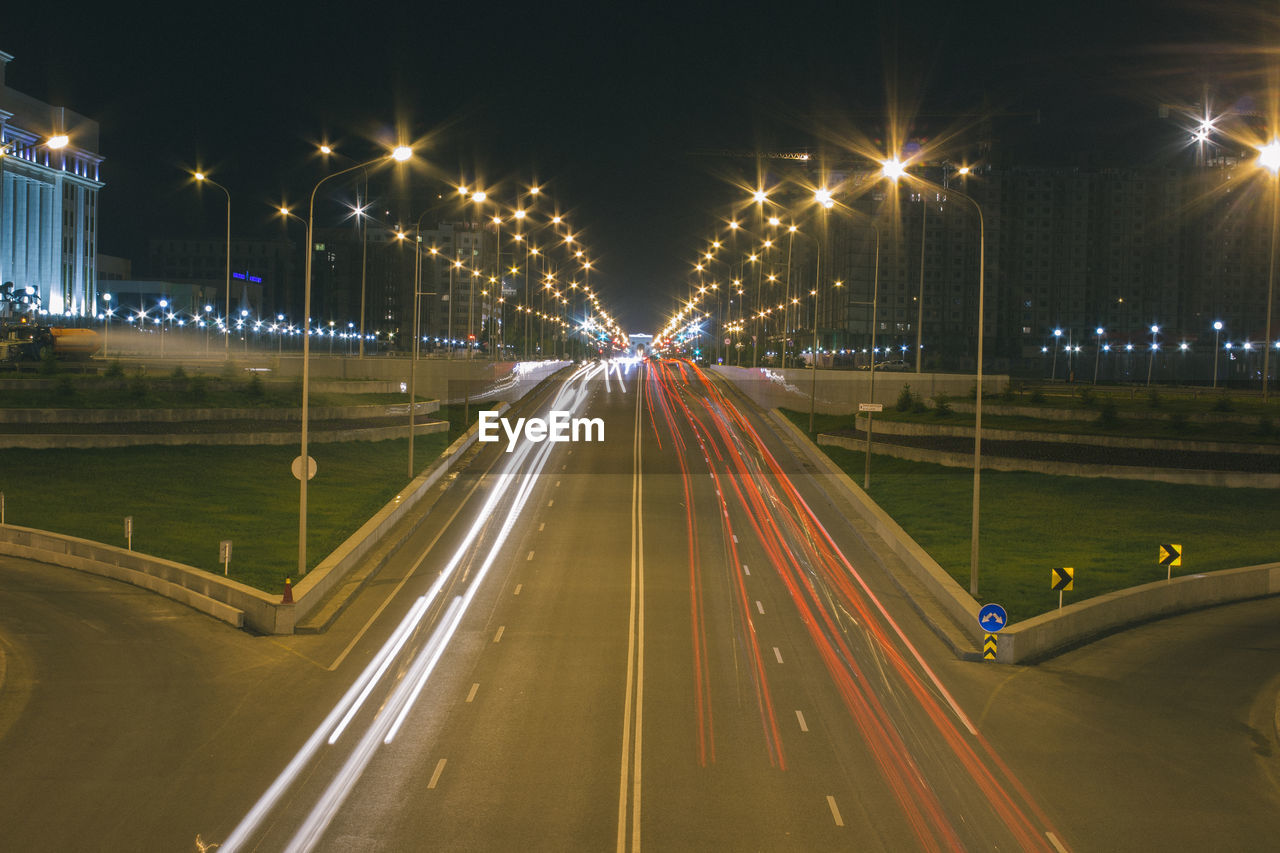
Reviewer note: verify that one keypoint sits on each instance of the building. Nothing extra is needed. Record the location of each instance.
(49, 186)
(260, 271)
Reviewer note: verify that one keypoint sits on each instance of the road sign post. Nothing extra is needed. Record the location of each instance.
(128, 532)
(224, 555)
(1061, 579)
(991, 619)
(1170, 555)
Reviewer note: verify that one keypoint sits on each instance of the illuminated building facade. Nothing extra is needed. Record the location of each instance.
(48, 201)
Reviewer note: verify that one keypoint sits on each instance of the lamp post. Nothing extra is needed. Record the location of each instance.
(1097, 355)
(106, 329)
(226, 331)
(1269, 159)
(1217, 330)
(1053, 370)
(302, 466)
(1151, 359)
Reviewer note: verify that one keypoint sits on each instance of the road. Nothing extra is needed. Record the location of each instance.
(670, 639)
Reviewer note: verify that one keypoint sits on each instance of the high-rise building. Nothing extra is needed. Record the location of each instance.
(49, 186)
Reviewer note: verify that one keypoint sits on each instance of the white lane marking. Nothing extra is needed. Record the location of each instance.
(519, 587)
(435, 777)
(745, 569)
(777, 653)
(475, 687)
(835, 810)
(1053, 839)
(542, 527)
(760, 607)
(498, 636)
(735, 538)
(804, 727)
(551, 502)
(529, 558)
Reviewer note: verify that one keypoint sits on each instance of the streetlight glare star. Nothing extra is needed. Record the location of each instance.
(893, 169)
(402, 153)
(1269, 157)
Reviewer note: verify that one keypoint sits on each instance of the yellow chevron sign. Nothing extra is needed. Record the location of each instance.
(1061, 578)
(1171, 555)
(989, 647)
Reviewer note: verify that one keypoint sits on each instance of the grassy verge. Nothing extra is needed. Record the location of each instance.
(1108, 530)
(185, 500)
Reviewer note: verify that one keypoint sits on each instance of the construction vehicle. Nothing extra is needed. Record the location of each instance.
(24, 338)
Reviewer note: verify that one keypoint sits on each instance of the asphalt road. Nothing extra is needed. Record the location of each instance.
(672, 639)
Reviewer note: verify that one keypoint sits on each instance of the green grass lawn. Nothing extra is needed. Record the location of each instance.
(185, 500)
(1107, 530)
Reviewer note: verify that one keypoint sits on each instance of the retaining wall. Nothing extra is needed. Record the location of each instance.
(838, 392)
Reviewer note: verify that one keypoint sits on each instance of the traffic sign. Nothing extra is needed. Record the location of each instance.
(989, 647)
(1061, 578)
(991, 618)
(871, 407)
(296, 467)
(1171, 555)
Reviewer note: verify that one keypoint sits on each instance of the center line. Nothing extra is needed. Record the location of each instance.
(435, 777)
(777, 653)
(476, 686)
(498, 636)
(760, 607)
(835, 811)
(804, 727)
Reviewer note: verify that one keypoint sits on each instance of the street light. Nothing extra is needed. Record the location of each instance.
(1217, 330)
(1269, 159)
(1097, 354)
(1151, 359)
(1053, 371)
(303, 463)
(226, 332)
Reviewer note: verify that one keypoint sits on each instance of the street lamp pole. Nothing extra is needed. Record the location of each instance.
(303, 464)
(1217, 330)
(226, 328)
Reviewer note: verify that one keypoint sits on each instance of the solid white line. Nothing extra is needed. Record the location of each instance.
(472, 695)
(777, 653)
(804, 727)
(435, 777)
(1053, 839)
(498, 636)
(835, 810)
(519, 587)
(760, 607)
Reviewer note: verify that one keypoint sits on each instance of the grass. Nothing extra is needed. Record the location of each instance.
(1108, 530)
(185, 500)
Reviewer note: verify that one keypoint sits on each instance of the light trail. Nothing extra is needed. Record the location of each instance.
(569, 397)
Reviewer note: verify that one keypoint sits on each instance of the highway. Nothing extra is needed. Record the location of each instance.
(671, 639)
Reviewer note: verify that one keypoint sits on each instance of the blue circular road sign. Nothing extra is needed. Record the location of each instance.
(991, 618)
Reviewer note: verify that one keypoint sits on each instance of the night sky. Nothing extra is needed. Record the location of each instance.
(602, 103)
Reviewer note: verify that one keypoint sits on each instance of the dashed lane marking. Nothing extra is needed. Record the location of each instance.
(498, 636)
(835, 810)
(760, 607)
(777, 653)
(804, 727)
(435, 777)
(474, 687)
(519, 587)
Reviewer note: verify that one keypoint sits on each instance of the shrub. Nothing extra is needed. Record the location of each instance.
(1037, 397)
(973, 391)
(1224, 404)
(1087, 397)
(1008, 395)
(905, 399)
(48, 361)
(114, 370)
(253, 388)
(1265, 426)
(1107, 416)
(919, 406)
(198, 388)
(178, 373)
(941, 408)
(1178, 422)
(139, 387)
(65, 389)
(1153, 398)
(229, 370)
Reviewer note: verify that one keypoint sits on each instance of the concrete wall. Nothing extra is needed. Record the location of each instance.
(838, 392)
(177, 416)
(1180, 476)
(61, 441)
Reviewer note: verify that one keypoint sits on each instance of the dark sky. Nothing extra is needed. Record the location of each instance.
(601, 102)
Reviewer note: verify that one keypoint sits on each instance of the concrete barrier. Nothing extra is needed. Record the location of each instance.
(59, 441)
(1050, 633)
(838, 392)
(177, 416)
(1179, 476)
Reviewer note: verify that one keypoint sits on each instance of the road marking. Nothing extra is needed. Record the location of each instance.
(735, 538)
(777, 652)
(804, 727)
(435, 777)
(557, 482)
(542, 526)
(760, 607)
(835, 810)
(1053, 839)
(562, 467)
(632, 726)
(476, 686)
(530, 557)
(745, 569)
(551, 502)
(519, 586)
(498, 636)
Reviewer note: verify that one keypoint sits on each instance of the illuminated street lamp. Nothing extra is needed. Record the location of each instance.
(1217, 330)
(303, 463)
(1269, 159)
(1151, 359)
(1097, 354)
(226, 332)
